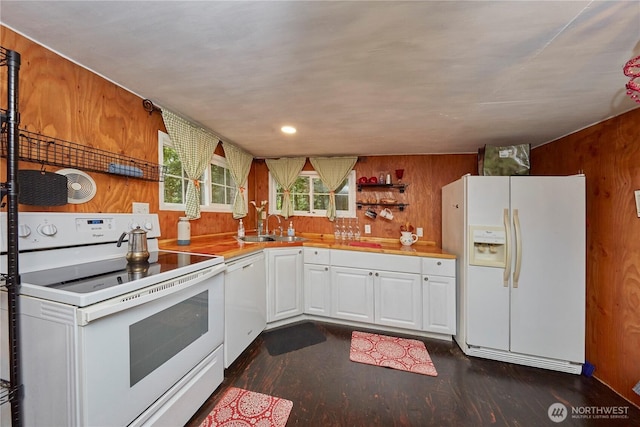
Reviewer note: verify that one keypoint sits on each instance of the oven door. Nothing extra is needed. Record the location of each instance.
(133, 356)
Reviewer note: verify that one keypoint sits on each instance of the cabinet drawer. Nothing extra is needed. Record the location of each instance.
(439, 266)
(316, 256)
(373, 261)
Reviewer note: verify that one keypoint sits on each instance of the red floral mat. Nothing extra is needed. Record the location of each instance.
(240, 408)
(391, 352)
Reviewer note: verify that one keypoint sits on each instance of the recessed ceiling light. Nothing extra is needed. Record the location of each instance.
(288, 129)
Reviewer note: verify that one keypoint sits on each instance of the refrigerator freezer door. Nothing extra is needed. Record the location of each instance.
(487, 299)
(548, 306)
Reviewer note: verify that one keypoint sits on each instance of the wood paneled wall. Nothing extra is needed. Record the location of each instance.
(425, 174)
(609, 155)
(60, 99)
(57, 98)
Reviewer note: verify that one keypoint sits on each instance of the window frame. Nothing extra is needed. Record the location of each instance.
(206, 204)
(350, 213)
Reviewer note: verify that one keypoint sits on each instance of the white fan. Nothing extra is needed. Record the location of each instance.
(81, 187)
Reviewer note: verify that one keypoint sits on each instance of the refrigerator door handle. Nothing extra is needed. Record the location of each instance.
(516, 273)
(507, 263)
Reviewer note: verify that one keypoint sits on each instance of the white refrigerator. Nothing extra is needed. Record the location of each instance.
(521, 250)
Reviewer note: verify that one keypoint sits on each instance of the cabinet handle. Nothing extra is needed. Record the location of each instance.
(377, 274)
(326, 269)
(439, 263)
(316, 252)
(370, 274)
(300, 251)
(426, 279)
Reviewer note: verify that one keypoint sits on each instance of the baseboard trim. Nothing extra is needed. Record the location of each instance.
(522, 359)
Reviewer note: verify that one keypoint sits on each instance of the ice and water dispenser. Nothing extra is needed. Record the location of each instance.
(487, 246)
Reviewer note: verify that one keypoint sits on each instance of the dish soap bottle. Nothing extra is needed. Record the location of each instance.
(291, 232)
(240, 230)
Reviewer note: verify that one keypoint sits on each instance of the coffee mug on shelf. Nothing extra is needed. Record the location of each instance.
(386, 214)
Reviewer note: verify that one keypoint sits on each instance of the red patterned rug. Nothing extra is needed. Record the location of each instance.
(239, 408)
(391, 352)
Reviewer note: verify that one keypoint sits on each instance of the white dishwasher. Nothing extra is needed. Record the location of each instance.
(245, 304)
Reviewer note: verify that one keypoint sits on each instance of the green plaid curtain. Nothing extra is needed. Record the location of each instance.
(194, 147)
(332, 171)
(239, 162)
(285, 171)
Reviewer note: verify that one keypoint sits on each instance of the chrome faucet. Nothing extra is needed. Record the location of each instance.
(266, 230)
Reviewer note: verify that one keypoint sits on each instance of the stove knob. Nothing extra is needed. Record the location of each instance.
(148, 225)
(48, 230)
(133, 225)
(24, 230)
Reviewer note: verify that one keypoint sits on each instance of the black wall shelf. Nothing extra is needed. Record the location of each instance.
(37, 148)
(400, 206)
(400, 187)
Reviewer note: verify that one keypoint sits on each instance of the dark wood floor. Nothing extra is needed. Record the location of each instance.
(327, 389)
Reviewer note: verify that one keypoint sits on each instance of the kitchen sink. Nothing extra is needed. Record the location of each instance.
(290, 239)
(257, 239)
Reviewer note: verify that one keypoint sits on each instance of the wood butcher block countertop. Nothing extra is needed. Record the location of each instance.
(225, 244)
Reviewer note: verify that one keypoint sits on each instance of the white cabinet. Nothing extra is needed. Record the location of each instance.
(376, 288)
(352, 294)
(439, 295)
(284, 283)
(397, 299)
(317, 282)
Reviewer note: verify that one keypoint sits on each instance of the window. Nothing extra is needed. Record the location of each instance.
(217, 188)
(311, 197)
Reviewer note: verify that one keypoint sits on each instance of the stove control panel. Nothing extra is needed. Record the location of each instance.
(47, 230)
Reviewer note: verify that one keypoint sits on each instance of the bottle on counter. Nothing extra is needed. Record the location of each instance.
(184, 231)
(240, 230)
(291, 232)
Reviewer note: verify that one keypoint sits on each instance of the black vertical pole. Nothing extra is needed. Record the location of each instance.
(13, 276)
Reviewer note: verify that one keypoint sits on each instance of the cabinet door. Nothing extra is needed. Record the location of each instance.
(284, 287)
(352, 294)
(439, 304)
(317, 289)
(398, 299)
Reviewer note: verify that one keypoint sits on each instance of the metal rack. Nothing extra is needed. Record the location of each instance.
(12, 390)
(37, 148)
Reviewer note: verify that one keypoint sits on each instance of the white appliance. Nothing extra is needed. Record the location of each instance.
(245, 305)
(108, 343)
(520, 243)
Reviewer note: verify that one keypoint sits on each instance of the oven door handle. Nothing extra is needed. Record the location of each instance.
(145, 295)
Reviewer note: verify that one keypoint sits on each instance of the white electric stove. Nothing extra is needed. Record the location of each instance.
(107, 342)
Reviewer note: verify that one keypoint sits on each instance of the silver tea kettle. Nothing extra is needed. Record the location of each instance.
(137, 251)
